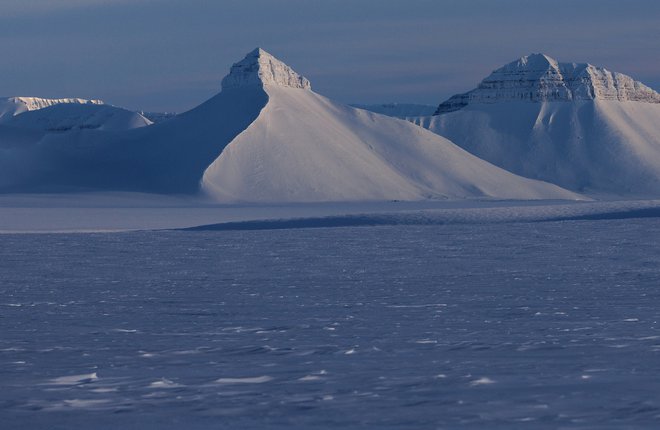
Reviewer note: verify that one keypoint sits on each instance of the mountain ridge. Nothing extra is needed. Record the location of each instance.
(540, 78)
(13, 106)
(267, 137)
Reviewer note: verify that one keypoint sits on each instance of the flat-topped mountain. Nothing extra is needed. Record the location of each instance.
(576, 125)
(539, 78)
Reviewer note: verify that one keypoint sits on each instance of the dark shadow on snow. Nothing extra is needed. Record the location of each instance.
(339, 221)
(629, 214)
(400, 219)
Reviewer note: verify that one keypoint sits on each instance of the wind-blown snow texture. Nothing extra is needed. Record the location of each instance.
(524, 325)
(577, 126)
(265, 137)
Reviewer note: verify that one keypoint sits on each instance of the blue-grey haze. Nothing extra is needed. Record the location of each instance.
(172, 54)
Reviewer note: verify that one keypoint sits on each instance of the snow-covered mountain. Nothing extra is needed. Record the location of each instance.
(576, 125)
(539, 78)
(305, 147)
(68, 116)
(267, 137)
(12, 106)
(399, 110)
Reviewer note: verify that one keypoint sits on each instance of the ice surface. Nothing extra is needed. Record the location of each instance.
(504, 325)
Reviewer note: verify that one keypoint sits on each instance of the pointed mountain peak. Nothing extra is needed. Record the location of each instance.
(260, 68)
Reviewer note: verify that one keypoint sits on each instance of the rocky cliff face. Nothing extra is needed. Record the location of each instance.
(260, 68)
(539, 78)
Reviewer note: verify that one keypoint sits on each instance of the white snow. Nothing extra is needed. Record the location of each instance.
(305, 147)
(539, 78)
(265, 138)
(164, 383)
(598, 147)
(482, 381)
(228, 295)
(66, 117)
(115, 212)
(398, 110)
(580, 127)
(74, 379)
(260, 68)
(253, 380)
(12, 106)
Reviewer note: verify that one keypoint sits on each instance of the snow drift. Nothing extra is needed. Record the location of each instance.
(267, 137)
(578, 126)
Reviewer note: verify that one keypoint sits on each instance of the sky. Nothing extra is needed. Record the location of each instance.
(170, 55)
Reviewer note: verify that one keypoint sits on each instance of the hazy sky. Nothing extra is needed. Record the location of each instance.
(172, 54)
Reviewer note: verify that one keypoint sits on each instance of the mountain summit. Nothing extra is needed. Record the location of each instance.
(260, 68)
(540, 78)
(576, 125)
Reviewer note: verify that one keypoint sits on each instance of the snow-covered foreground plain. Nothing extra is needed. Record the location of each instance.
(115, 212)
(481, 325)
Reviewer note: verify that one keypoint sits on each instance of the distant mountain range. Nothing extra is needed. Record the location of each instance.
(533, 129)
(266, 137)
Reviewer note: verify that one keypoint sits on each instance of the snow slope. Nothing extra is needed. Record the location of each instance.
(305, 147)
(67, 117)
(12, 106)
(169, 157)
(580, 127)
(266, 138)
(399, 110)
